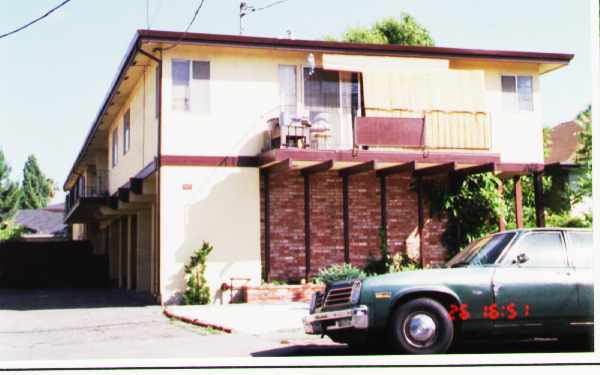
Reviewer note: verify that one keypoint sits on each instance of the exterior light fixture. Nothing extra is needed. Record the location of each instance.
(310, 60)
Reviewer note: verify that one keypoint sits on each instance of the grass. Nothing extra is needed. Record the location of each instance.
(204, 331)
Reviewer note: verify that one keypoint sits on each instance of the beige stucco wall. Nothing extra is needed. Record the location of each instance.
(222, 207)
(143, 131)
(517, 136)
(244, 93)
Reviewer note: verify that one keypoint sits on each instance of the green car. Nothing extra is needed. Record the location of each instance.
(527, 282)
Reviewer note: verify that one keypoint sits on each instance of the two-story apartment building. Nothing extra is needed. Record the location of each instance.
(290, 155)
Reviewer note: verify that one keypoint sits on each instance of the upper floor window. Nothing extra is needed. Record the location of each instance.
(288, 90)
(191, 86)
(517, 93)
(115, 147)
(126, 132)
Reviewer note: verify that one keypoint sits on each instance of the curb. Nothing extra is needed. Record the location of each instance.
(196, 322)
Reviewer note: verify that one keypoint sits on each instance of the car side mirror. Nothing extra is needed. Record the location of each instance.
(521, 258)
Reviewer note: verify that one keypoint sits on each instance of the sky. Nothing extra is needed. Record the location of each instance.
(55, 74)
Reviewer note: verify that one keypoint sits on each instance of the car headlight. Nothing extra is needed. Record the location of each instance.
(355, 294)
(313, 303)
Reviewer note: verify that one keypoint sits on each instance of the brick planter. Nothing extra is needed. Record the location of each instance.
(279, 293)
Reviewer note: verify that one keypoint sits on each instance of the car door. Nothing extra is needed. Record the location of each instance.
(534, 280)
(580, 246)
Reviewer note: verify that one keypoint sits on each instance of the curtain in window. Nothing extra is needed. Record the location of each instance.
(361, 63)
(465, 130)
(322, 100)
(287, 90)
(421, 91)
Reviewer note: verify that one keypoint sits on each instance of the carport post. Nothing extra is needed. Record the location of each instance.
(266, 194)
(501, 219)
(540, 220)
(421, 216)
(518, 202)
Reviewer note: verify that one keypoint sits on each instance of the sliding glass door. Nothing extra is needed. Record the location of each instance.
(330, 98)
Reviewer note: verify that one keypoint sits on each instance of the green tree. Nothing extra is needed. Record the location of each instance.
(405, 30)
(197, 291)
(37, 189)
(584, 155)
(9, 192)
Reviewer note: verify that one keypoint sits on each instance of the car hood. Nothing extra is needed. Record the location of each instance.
(430, 277)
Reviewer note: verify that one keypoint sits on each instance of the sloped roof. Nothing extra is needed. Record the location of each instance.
(41, 221)
(564, 143)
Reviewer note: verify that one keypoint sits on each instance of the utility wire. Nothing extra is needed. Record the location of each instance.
(35, 20)
(187, 28)
(270, 5)
(246, 10)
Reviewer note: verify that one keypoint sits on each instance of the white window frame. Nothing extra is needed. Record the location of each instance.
(517, 107)
(126, 131)
(191, 99)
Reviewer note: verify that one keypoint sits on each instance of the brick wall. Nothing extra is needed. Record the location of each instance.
(327, 233)
(280, 293)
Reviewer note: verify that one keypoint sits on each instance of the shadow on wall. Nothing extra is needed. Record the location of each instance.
(224, 216)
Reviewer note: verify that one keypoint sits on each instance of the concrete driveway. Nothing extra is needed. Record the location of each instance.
(111, 324)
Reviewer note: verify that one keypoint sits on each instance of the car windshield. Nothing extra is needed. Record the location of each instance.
(484, 251)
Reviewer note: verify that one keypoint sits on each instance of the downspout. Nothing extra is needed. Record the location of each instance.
(157, 164)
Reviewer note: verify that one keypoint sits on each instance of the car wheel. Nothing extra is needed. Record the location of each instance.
(421, 326)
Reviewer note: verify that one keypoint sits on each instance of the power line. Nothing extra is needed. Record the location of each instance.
(35, 20)
(271, 5)
(246, 9)
(187, 28)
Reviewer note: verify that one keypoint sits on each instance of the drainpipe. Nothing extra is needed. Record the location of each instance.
(157, 162)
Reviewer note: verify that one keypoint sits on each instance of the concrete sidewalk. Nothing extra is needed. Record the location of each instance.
(248, 318)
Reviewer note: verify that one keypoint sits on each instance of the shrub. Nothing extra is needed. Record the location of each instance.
(10, 231)
(338, 272)
(402, 262)
(387, 263)
(197, 291)
(379, 266)
(568, 221)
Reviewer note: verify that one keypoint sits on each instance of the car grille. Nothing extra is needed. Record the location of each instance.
(338, 296)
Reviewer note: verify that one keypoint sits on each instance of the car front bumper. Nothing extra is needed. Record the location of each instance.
(323, 322)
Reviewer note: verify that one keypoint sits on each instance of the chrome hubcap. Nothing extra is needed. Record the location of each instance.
(420, 329)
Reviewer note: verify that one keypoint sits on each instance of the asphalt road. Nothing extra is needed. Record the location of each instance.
(101, 324)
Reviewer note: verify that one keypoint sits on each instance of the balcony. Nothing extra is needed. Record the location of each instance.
(87, 195)
(435, 131)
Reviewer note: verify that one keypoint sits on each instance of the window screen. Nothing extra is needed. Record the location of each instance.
(180, 74)
(580, 249)
(544, 249)
(525, 90)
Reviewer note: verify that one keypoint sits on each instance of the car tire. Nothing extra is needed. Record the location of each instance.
(421, 326)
